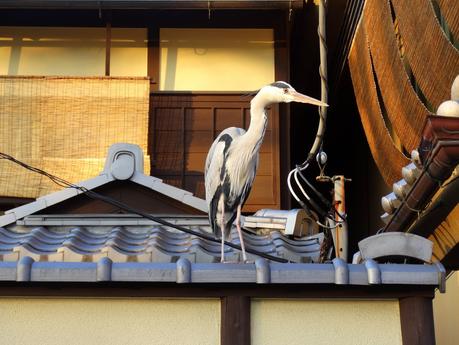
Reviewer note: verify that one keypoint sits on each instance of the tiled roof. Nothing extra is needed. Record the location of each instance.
(143, 243)
(143, 252)
(126, 247)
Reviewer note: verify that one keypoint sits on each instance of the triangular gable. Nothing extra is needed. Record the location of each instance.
(124, 163)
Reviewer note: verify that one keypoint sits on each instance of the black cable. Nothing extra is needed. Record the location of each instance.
(323, 199)
(93, 195)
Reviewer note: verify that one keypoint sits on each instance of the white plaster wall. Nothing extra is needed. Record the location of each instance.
(109, 321)
(216, 59)
(446, 313)
(60, 51)
(299, 322)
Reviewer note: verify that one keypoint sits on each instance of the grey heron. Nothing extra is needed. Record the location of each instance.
(232, 161)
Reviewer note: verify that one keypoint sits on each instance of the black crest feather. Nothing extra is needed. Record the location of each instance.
(281, 85)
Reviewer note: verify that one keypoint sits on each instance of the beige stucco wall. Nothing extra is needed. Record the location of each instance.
(216, 59)
(109, 321)
(302, 322)
(446, 313)
(71, 51)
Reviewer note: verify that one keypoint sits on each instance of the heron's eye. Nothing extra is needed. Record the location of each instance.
(285, 90)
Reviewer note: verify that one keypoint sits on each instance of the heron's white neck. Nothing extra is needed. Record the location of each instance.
(258, 122)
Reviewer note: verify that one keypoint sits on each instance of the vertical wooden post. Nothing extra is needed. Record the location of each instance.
(282, 72)
(235, 320)
(416, 317)
(153, 57)
(108, 43)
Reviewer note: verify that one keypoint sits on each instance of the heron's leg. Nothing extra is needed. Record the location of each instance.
(239, 231)
(222, 229)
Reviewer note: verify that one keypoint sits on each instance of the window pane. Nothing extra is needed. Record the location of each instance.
(216, 59)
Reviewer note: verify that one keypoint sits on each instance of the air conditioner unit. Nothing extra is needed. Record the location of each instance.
(294, 222)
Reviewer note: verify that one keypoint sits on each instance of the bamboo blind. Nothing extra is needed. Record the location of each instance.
(65, 125)
(404, 57)
(433, 59)
(387, 157)
(404, 109)
(450, 11)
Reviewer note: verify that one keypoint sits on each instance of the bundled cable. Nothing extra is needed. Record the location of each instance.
(324, 205)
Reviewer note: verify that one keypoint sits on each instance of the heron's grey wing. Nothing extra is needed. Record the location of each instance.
(233, 132)
(214, 164)
(215, 161)
(249, 181)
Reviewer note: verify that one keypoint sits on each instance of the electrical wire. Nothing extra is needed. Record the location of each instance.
(326, 226)
(317, 208)
(289, 184)
(295, 175)
(93, 195)
(310, 185)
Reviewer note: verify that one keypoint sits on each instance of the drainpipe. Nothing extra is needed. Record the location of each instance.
(438, 210)
(439, 154)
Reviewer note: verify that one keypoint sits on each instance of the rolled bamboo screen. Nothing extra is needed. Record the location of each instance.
(401, 64)
(388, 159)
(433, 59)
(404, 109)
(65, 125)
(448, 9)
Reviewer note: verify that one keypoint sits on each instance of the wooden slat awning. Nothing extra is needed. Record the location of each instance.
(387, 157)
(152, 4)
(404, 108)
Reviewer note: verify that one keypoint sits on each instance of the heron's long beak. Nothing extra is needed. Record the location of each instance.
(299, 97)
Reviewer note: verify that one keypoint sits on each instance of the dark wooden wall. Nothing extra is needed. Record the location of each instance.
(182, 129)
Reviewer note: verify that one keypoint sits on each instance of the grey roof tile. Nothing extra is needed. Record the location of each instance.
(152, 243)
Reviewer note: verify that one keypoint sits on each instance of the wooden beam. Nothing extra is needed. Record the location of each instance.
(166, 290)
(235, 320)
(152, 4)
(416, 317)
(282, 72)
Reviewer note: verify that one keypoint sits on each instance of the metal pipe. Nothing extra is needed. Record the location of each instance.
(340, 232)
(438, 210)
